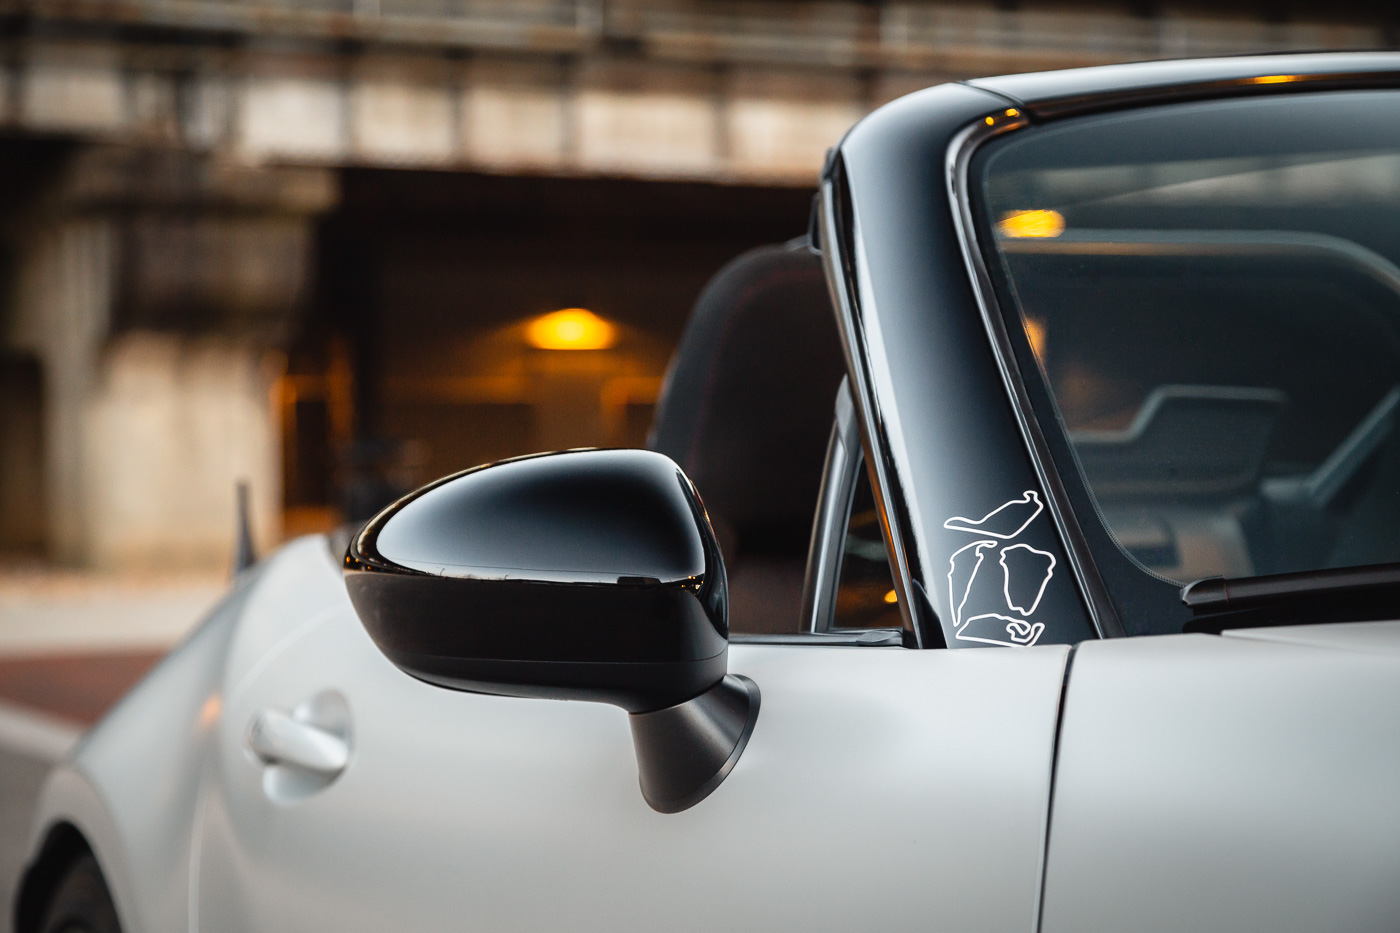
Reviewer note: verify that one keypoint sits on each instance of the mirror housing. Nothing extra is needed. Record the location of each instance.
(582, 575)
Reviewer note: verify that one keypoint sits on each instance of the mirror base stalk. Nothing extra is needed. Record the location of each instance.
(685, 751)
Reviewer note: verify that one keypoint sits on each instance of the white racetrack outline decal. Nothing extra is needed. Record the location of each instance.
(958, 523)
(953, 600)
(1006, 576)
(1032, 630)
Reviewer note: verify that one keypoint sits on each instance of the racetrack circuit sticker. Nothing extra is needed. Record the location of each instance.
(992, 602)
(1005, 521)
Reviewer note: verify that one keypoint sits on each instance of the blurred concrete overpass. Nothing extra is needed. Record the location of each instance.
(238, 239)
(732, 91)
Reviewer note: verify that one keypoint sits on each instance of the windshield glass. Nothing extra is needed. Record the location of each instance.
(1210, 300)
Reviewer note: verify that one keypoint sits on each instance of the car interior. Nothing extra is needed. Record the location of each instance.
(1231, 398)
(1231, 395)
(747, 412)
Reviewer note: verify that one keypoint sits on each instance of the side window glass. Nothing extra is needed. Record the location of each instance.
(849, 587)
(865, 594)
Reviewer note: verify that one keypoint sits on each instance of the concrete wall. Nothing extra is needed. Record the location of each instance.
(156, 340)
(155, 279)
(61, 311)
(600, 116)
(145, 433)
(171, 424)
(730, 91)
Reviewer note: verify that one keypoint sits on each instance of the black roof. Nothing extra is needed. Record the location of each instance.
(1050, 93)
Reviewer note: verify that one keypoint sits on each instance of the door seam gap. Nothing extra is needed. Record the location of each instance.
(1050, 797)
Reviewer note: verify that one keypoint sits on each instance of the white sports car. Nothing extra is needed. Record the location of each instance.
(1099, 368)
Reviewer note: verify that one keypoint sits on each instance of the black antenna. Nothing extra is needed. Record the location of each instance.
(243, 554)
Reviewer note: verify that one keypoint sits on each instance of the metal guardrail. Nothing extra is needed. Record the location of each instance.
(904, 36)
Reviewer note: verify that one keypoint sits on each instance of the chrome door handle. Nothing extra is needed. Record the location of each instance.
(277, 738)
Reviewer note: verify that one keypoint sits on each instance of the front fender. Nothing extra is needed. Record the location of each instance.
(130, 787)
(133, 786)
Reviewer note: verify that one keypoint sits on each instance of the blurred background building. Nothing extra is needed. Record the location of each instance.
(336, 248)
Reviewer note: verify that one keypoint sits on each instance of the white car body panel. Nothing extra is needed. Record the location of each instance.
(1379, 638)
(131, 786)
(911, 777)
(1240, 783)
(919, 779)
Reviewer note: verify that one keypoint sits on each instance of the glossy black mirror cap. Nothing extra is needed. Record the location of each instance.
(586, 574)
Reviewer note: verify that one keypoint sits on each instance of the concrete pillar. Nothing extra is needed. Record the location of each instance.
(63, 307)
(24, 528)
(155, 296)
(173, 423)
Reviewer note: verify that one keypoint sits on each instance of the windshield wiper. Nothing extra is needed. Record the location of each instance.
(1223, 594)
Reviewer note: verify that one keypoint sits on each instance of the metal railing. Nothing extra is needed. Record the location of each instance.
(906, 36)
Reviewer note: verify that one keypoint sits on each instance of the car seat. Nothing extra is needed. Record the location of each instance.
(747, 411)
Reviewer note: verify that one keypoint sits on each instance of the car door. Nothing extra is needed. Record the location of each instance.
(1237, 782)
(881, 787)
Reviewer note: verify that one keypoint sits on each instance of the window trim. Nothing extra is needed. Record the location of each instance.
(833, 514)
(961, 149)
(838, 236)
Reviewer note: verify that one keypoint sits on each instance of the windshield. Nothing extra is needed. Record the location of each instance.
(1210, 300)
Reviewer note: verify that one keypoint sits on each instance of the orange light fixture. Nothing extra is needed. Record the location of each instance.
(570, 329)
(1031, 224)
(891, 597)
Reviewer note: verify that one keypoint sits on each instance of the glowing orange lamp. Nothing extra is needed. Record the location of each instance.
(571, 329)
(1031, 224)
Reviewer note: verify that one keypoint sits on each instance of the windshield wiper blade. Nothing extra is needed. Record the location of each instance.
(1215, 594)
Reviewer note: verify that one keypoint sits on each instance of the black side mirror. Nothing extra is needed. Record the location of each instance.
(582, 575)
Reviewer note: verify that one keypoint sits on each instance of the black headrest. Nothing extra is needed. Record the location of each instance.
(747, 407)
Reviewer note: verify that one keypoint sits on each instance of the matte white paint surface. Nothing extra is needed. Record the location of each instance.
(525, 814)
(1240, 783)
(915, 778)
